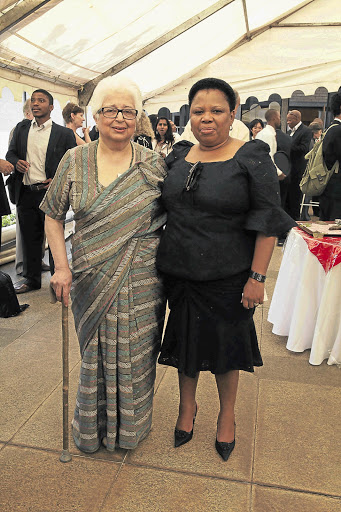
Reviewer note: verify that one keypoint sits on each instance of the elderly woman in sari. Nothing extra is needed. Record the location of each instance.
(113, 187)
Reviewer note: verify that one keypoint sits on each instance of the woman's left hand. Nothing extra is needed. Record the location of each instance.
(253, 294)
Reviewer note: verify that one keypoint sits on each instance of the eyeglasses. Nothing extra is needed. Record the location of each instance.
(193, 176)
(112, 112)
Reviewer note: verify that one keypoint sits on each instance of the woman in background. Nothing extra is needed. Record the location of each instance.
(164, 138)
(144, 132)
(255, 127)
(73, 116)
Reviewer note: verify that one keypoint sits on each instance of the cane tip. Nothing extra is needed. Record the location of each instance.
(65, 456)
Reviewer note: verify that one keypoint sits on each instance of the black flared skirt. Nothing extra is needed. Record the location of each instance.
(208, 328)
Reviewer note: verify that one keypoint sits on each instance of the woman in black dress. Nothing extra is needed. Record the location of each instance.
(223, 207)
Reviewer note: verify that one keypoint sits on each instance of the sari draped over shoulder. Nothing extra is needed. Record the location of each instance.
(109, 234)
(117, 297)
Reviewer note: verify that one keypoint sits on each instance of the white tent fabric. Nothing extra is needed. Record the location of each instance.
(68, 43)
(280, 60)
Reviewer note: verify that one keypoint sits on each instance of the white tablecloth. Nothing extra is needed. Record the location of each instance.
(306, 304)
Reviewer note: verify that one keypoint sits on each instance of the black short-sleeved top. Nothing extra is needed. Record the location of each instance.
(211, 230)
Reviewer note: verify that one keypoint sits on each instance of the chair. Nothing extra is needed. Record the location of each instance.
(308, 203)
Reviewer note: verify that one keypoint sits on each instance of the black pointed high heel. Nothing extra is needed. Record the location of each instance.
(181, 436)
(225, 449)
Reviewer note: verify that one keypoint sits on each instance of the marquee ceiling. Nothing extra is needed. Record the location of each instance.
(162, 43)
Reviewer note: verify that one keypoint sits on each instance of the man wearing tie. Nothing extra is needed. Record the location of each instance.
(301, 136)
(35, 151)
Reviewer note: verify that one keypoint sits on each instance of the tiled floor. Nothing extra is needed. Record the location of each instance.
(287, 455)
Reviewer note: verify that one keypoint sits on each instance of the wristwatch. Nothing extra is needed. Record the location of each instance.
(258, 277)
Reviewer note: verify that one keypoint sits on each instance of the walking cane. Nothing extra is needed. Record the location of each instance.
(65, 455)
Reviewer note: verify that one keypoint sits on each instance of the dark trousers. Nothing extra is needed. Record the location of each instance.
(31, 220)
(284, 187)
(294, 197)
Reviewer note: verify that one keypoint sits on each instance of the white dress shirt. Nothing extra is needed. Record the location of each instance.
(268, 135)
(37, 142)
(294, 129)
(239, 131)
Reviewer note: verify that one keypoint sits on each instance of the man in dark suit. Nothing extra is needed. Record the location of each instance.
(35, 151)
(301, 136)
(284, 144)
(330, 200)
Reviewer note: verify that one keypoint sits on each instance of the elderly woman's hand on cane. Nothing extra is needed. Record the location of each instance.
(61, 284)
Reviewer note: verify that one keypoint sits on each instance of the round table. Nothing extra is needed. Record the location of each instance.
(306, 304)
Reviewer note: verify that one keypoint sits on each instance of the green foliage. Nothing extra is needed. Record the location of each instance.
(8, 220)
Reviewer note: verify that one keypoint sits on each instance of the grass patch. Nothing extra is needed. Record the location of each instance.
(8, 220)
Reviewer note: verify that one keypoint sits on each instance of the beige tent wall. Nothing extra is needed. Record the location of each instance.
(18, 84)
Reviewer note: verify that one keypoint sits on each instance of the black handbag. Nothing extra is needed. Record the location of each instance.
(9, 305)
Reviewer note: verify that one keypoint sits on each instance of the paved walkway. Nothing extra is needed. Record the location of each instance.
(287, 455)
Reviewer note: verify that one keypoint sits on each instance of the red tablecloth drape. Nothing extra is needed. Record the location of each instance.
(327, 249)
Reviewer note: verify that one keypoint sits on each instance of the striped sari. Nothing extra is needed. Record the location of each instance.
(117, 297)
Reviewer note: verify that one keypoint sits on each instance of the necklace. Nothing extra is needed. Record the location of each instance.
(132, 155)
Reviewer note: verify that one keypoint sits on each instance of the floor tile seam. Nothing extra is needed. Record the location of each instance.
(274, 379)
(55, 451)
(112, 485)
(21, 334)
(188, 473)
(295, 489)
(60, 382)
(250, 498)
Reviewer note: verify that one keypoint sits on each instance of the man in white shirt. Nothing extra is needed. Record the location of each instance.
(268, 134)
(35, 151)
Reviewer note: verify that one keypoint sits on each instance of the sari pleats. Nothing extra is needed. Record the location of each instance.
(115, 393)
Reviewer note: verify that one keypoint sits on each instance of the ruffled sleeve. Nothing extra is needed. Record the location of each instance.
(265, 214)
(180, 150)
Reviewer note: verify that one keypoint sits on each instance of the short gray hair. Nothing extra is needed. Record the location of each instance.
(110, 85)
(27, 107)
